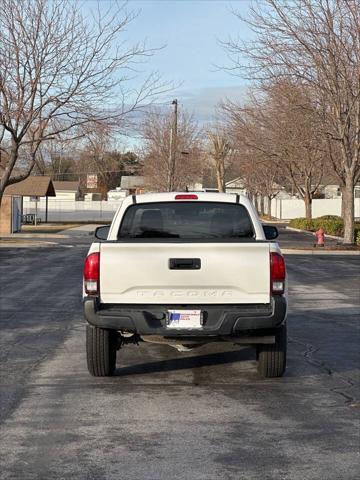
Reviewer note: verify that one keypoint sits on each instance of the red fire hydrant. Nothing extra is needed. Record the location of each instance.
(320, 238)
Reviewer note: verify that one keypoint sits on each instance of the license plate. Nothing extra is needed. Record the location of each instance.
(184, 319)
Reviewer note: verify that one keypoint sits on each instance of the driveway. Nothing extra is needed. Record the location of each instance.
(203, 414)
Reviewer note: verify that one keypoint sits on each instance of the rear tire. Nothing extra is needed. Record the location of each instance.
(101, 351)
(272, 357)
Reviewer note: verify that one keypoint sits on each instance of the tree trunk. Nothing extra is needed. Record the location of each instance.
(258, 203)
(268, 205)
(342, 189)
(348, 206)
(262, 209)
(8, 169)
(220, 175)
(308, 206)
(2, 188)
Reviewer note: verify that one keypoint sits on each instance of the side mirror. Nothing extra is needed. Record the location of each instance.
(102, 232)
(270, 232)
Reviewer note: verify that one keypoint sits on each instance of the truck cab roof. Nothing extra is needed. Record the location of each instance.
(178, 196)
(188, 197)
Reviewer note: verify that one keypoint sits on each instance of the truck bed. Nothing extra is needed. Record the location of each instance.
(211, 273)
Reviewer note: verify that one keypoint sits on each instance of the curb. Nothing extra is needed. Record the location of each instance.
(275, 221)
(35, 244)
(290, 251)
(34, 236)
(312, 233)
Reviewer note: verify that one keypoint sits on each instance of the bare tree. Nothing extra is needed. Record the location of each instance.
(56, 159)
(295, 126)
(317, 43)
(261, 178)
(95, 158)
(101, 155)
(60, 73)
(278, 132)
(221, 153)
(157, 167)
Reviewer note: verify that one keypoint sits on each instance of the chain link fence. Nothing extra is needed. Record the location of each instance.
(72, 211)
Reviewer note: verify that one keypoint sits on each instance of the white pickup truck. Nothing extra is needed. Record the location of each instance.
(185, 269)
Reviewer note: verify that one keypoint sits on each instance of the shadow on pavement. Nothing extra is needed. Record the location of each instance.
(188, 362)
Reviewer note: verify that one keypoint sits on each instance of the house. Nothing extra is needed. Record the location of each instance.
(236, 185)
(115, 195)
(67, 190)
(334, 191)
(132, 184)
(330, 188)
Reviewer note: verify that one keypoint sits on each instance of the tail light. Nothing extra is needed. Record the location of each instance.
(92, 274)
(278, 273)
(186, 196)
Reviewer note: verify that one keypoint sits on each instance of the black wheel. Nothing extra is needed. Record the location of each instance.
(272, 357)
(101, 351)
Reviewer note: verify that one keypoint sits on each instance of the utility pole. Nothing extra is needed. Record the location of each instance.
(173, 147)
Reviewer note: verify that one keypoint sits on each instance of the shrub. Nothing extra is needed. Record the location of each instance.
(329, 217)
(331, 224)
(357, 236)
(302, 224)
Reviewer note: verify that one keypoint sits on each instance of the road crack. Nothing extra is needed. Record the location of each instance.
(309, 356)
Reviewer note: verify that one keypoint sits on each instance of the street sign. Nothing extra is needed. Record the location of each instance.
(91, 181)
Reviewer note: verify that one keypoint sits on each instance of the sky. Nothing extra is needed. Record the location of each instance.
(189, 31)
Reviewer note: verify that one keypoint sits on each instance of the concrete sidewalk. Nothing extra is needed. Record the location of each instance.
(26, 244)
(82, 230)
(37, 239)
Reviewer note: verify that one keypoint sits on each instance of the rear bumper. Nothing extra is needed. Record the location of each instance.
(219, 320)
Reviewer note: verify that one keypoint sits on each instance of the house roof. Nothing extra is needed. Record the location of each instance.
(235, 182)
(66, 186)
(132, 181)
(333, 181)
(31, 187)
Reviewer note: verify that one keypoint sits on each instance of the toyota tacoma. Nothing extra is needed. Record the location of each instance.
(185, 269)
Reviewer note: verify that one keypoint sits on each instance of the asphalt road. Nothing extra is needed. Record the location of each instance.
(200, 415)
(303, 240)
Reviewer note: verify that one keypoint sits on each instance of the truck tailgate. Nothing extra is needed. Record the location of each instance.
(139, 273)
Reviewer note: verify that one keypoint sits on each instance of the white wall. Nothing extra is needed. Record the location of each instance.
(67, 210)
(294, 208)
(328, 206)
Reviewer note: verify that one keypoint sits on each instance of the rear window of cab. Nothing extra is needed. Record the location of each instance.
(187, 221)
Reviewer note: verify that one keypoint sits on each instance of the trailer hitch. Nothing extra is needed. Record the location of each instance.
(125, 339)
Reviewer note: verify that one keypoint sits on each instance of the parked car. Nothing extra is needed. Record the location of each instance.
(185, 269)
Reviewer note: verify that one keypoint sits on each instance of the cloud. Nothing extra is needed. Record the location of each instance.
(202, 102)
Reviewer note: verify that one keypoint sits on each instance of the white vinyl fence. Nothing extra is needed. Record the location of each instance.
(73, 211)
(82, 211)
(292, 208)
